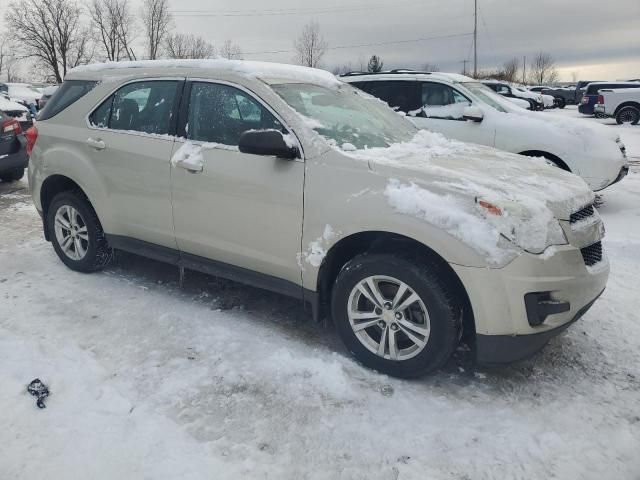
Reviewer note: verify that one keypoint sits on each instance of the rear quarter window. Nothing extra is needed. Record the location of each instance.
(70, 92)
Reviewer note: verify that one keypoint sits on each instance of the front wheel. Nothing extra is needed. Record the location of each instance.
(561, 102)
(629, 115)
(76, 233)
(395, 314)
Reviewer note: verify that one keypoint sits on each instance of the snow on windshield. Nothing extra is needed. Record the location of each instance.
(345, 117)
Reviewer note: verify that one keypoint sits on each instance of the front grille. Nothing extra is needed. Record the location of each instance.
(586, 212)
(592, 254)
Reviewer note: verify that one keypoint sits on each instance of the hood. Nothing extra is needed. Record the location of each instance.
(467, 184)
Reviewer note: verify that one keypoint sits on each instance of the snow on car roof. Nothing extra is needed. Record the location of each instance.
(452, 77)
(7, 105)
(267, 71)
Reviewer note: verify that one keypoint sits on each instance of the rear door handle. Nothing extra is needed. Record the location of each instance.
(190, 167)
(96, 144)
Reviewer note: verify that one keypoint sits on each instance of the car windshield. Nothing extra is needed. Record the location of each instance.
(488, 96)
(346, 117)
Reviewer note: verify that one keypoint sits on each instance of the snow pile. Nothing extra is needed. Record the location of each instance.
(262, 70)
(446, 212)
(318, 248)
(451, 111)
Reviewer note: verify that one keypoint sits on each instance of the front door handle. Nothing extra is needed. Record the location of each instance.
(190, 167)
(96, 144)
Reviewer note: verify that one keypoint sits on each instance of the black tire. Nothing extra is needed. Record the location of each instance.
(628, 114)
(13, 175)
(98, 253)
(421, 277)
(561, 102)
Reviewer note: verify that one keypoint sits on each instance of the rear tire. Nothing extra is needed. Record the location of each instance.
(13, 175)
(76, 233)
(561, 102)
(408, 334)
(628, 114)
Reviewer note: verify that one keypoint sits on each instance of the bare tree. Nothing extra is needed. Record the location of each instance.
(430, 67)
(510, 70)
(50, 31)
(230, 50)
(112, 23)
(543, 69)
(157, 22)
(310, 46)
(188, 46)
(344, 68)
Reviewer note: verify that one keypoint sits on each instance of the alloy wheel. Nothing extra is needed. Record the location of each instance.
(71, 232)
(388, 318)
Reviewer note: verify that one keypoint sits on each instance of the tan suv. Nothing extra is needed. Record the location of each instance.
(288, 179)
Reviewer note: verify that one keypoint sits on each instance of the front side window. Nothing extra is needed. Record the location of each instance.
(145, 107)
(442, 101)
(221, 114)
(346, 117)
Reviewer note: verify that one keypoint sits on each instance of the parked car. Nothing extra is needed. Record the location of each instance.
(590, 97)
(562, 96)
(623, 104)
(441, 102)
(409, 240)
(13, 156)
(24, 94)
(502, 88)
(16, 111)
(581, 87)
(47, 93)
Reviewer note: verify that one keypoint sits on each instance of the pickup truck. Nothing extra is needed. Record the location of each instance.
(623, 104)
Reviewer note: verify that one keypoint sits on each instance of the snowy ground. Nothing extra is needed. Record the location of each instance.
(218, 380)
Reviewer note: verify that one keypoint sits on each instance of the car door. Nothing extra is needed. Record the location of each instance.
(442, 111)
(130, 139)
(237, 209)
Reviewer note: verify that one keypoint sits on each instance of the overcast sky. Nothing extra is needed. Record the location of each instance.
(595, 39)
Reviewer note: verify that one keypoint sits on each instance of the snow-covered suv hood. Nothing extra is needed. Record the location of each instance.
(446, 182)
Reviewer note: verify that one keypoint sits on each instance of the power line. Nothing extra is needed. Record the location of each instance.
(287, 11)
(375, 44)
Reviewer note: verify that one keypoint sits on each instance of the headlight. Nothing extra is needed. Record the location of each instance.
(532, 232)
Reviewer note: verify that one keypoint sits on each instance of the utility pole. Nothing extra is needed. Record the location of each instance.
(524, 69)
(464, 67)
(475, 39)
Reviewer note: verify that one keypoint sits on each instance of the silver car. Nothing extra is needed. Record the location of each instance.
(285, 178)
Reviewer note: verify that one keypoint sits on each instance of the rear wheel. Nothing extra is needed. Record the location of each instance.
(629, 114)
(395, 315)
(12, 175)
(76, 233)
(561, 102)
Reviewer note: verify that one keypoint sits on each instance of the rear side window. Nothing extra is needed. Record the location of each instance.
(66, 95)
(399, 95)
(146, 107)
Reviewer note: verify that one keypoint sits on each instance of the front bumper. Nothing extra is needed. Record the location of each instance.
(504, 330)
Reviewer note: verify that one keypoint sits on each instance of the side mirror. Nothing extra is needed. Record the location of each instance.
(268, 143)
(475, 114)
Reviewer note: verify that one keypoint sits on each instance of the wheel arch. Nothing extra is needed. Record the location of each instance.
(385, 242)
(52, 186)
(629, 103)
(549, 156)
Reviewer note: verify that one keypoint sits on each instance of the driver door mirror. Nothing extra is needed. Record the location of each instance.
(268, 143)
(475, 114)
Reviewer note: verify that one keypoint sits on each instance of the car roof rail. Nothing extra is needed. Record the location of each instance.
(386, 72)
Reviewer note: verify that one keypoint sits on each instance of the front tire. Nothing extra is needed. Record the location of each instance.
(395, 314)
(629, 114)
(561, 102)
(76, 233)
